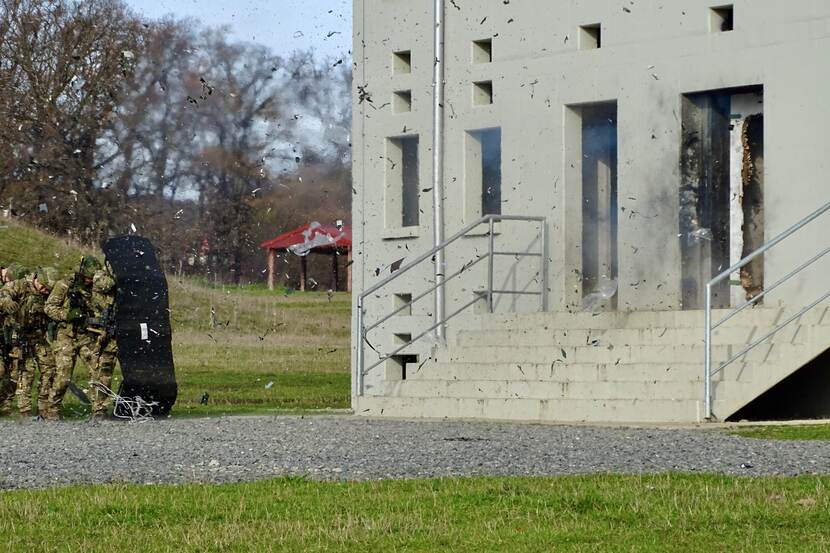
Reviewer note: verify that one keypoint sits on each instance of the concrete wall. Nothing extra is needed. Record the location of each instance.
(652, 52)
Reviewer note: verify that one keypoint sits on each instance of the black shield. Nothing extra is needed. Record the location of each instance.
(142, 316)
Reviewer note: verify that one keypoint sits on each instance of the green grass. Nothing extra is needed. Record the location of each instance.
(800, 432)
(298, 341)
(32, 247)
(585, 513)
(251, 288)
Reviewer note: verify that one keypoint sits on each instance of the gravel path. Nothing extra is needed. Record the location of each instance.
(36, 455)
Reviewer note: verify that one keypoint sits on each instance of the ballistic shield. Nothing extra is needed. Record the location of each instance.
(142, 322)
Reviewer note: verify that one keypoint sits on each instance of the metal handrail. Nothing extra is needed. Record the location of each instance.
(490, 220)
(708, 372)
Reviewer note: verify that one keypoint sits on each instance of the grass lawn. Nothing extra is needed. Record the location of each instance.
(801, 432)
(585, 513)
(265, 354)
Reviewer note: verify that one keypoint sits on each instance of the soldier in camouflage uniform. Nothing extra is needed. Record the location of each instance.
(9, 353)
(101, 327)
(70, 306)
(23, 301)
(7, 379)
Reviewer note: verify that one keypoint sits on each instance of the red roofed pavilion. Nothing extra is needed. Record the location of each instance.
(312, 238)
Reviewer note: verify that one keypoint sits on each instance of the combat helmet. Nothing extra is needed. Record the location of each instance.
(89, 266)
(16, 271)
(47, 276)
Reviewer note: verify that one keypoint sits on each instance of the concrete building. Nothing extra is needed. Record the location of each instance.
(649, 146)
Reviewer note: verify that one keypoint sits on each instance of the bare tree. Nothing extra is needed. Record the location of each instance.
(237, 98)
(110, 120)
(64, 66)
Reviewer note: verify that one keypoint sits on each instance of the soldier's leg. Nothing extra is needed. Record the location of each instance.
(91, 355)
(25, 376)
(101, 370)
(46, 365)
(6, 385)
(65, 350)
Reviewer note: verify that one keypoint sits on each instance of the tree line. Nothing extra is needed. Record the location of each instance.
(111, 123)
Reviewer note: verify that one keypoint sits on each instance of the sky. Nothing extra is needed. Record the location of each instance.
(282, 25)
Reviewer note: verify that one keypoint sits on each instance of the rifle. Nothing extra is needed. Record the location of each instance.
(16, 348)
(76, 298)
(103, 326)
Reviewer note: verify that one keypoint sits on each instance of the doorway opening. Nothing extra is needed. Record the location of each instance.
(722, 194)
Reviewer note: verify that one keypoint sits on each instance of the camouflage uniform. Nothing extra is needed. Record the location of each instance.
(9, 354)
(101, 329)
(7, 367)
(69, 305)
(23, 300)
(7, 379)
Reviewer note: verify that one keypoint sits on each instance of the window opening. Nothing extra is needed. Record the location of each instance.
(483, 51)
(483, 93)
(599, 206)
(402, 192)
(397, 366)
(484, 168)
(590, 37)
(402, 101)
(401, 300)
(402, 62)
(722, 19)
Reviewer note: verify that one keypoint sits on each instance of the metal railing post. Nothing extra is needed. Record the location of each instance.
(491, 239)
(707, 362)
(359, 362)
(438, 166)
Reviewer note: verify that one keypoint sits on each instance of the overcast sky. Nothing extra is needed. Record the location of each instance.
(283, 25)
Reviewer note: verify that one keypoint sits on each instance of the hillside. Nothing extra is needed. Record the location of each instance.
(32, 247)
(296, 342)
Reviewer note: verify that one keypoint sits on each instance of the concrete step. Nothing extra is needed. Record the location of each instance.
(538, 410)
(614, 355)
(522, 389)
(575, 372)
(762, 316)
(629, 336)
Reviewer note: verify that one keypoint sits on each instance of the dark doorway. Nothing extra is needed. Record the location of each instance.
(721, 193)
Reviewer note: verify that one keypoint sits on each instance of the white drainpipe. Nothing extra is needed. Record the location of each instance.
(438, 166)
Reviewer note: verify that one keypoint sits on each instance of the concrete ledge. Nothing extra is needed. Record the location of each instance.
(538, 410)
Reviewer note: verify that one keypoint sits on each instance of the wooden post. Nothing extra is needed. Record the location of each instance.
(271, 266)
(303, 272)
(334, 269)
(349, 270)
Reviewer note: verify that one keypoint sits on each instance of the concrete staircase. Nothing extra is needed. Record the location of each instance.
(634, 367)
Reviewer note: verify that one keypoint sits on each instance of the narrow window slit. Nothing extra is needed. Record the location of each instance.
(483, 51)
(590, 37)
(402, 62)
